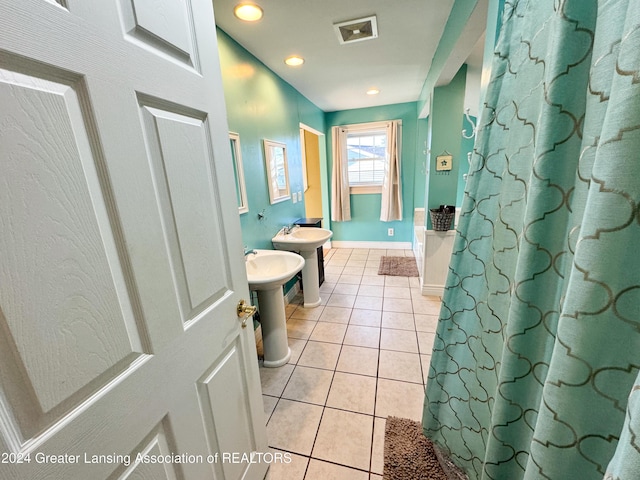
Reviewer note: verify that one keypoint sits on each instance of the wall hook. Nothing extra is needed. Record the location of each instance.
(465, 175)
(474, 128)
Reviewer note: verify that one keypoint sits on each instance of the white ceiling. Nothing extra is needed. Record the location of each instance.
(336, 77)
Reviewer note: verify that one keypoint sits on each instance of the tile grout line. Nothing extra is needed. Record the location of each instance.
(375, 401)
(324, 407)
(415, 327)
(334, 371)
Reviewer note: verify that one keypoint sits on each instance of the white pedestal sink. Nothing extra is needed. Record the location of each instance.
(267, 272)
(305, 240)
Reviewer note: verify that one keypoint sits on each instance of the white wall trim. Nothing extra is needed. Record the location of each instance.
(375, 245)
(293, 291)
(310, 129)
(433, 290)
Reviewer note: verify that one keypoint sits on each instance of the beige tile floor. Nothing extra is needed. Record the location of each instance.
(359, 357)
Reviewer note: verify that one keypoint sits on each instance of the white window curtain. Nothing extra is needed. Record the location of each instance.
(391, 191)
(391, 208)
(340, 200)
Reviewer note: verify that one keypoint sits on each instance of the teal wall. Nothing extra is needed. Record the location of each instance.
(365, 224)
(261, 105)
(460, 13)
(419, 183)
(446, 125)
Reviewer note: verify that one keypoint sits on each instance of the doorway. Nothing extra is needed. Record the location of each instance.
(314, 168)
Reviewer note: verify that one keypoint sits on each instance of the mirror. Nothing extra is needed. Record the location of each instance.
(238, 172)
(275, 157)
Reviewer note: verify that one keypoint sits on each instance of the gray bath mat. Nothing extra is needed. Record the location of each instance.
(398, 266)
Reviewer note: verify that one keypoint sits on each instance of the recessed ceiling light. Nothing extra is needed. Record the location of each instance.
(294, 61)
(249, 12)
(373, 91)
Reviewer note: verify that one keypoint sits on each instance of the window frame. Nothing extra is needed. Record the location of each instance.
(277, 194)
(373, 128)
(241, 187)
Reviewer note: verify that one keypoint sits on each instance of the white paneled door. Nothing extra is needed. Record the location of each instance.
(120, 248)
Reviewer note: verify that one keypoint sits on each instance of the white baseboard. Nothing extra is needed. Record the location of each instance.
(293, 291)
(372, 245)
(433, 290)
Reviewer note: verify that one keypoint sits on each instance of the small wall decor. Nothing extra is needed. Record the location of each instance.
(444, 161)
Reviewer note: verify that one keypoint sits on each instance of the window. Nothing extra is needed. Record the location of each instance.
(366, 153)
(366, 159)
(366, 156)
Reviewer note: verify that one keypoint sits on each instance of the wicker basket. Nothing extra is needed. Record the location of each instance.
(440, 220)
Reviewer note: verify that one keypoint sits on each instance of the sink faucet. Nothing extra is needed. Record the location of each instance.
(248, 251)
(287, 229)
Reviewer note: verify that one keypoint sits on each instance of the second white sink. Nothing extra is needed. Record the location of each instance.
(306, 241)
(301, 239)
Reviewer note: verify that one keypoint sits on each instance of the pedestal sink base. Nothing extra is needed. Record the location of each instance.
(274, 327)
(310, 282)
(277, 363)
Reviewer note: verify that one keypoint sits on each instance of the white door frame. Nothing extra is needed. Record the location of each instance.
(322, 147)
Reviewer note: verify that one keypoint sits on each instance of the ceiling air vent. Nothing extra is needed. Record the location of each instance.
(357, 30)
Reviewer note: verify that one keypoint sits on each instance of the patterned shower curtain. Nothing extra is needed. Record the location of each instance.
(538, 344)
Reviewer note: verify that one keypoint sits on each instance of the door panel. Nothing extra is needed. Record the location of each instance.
(222, 389)
(180, 153)
(120, 246)
(147, 23)
(60, 284)
(153, 17)
(159, 443)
